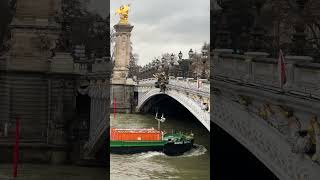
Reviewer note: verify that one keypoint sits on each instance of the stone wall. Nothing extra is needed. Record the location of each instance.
(124, 95)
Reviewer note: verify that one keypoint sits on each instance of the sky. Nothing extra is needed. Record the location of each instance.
(163, 26)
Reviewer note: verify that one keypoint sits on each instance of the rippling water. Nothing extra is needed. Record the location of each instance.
(51, 172)
(194, 164)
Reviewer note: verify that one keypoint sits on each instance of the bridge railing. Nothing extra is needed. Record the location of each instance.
(147, 82)
(191, 85)
(203, 85)
(303, 76)
(100, 128)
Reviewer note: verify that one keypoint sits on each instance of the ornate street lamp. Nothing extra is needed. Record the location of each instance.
(171, 67)
(180, 55)
(157, 62)
(257, 42)
(163, 60)
(223, 34)
(172, 59)
(204, 53)
(190, 54)
(180, 63)
(204, 60)
(298, 46)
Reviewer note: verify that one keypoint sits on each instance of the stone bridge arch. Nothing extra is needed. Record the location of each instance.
(186, 101)
(262, 140)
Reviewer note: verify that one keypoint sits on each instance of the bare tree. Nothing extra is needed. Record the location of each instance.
(7, 9)
(287, 15)
(133, 65)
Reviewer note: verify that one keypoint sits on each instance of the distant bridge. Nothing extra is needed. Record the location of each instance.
(187, 93)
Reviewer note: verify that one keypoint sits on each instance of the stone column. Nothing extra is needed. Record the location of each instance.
(291, 61)
(120, 82)
(249, 56)
(122, 52)
(217, 64)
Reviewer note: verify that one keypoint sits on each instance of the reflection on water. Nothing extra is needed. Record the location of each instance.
(194, 164)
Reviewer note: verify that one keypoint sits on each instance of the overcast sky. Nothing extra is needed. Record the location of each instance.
(162, 26)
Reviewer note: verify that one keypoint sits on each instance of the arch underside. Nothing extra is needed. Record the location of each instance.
(192, 106)
(263, 141)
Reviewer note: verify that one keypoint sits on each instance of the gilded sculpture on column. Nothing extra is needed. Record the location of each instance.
(123, 12)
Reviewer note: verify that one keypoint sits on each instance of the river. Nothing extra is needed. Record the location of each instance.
(151, 165)
(155, 165)
(53, 172)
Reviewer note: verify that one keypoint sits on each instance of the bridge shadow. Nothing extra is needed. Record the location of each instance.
(231, 160)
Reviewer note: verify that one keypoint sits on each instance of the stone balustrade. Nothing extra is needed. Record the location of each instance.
(181, 83)
(303, 77)
(149, 81)
(191, 85)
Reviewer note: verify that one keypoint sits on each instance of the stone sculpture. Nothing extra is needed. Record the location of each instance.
(314, 131)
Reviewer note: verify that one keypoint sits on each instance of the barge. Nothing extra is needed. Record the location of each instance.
(129, 141)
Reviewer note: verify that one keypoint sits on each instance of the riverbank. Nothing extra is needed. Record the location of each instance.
(53, 172)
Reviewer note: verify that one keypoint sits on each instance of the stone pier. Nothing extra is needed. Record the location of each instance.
(122, 87)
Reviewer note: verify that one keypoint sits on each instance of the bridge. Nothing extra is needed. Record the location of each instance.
(99, 93)
(186, 92)
(268, 120)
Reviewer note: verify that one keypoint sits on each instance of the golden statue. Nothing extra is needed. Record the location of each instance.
(123, 11)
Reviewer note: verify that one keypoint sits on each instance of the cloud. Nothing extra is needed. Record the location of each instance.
(162, 26)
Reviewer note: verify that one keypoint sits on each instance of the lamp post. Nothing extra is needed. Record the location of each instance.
(204, 60)
(180, 55)
(298, 46)
(164, 65)
(171, 68)
(190, 53)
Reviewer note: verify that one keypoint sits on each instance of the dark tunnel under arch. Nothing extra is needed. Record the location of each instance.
(231, 160)
(163, 103)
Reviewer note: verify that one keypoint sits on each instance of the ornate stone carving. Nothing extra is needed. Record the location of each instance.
(43, 41)
(270, 147)
(314, 132)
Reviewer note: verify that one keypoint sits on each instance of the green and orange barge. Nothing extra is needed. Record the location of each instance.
(129, 141)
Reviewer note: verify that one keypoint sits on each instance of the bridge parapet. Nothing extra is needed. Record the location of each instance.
(99, 92)
(188, 85)
(303, 77)
(146, 82)
(191, 85)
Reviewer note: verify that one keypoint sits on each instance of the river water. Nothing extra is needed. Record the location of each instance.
(52, 172)
(155, 165)
(151, 165)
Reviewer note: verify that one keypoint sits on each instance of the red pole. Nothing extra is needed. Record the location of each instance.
(16, 149)
(114, 107)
